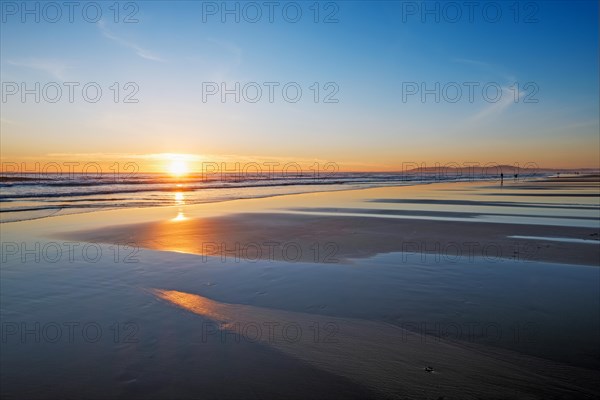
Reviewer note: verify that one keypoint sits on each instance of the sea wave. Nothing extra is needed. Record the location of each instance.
(25, 197)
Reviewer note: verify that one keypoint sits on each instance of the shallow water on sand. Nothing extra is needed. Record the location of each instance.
(111, 318)
(545, 310)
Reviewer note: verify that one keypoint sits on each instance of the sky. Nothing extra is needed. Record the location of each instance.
(381, 83)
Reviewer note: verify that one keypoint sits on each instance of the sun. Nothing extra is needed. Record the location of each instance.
(178, 168)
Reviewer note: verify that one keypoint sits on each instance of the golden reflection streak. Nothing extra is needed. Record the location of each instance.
(179, 199)
(180, 217)
(193, 303)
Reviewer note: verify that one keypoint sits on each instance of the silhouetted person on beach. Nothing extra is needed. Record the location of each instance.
(501, 179)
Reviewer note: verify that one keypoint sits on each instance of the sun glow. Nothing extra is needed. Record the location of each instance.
(178, 167)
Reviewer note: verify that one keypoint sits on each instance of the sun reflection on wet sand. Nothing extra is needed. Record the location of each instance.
(376, 221)
(180, 217)
(196, 304)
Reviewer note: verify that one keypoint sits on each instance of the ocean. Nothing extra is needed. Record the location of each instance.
(31, 196)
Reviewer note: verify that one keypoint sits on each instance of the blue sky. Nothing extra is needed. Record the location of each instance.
(370, 53)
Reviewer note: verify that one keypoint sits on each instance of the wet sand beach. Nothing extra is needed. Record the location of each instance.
(481, 228)
(462, 290)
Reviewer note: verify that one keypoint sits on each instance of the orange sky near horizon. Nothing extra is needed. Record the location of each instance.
(183, 164)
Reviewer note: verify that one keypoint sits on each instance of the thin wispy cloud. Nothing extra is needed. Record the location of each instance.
(140, 51)
(8, 121)
(55, 68)
(593, 124)
(115, 156)
(507, 96)
(487, 67)
(497, 108)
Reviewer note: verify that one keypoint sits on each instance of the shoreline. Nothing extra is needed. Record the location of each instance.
(368, 186)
